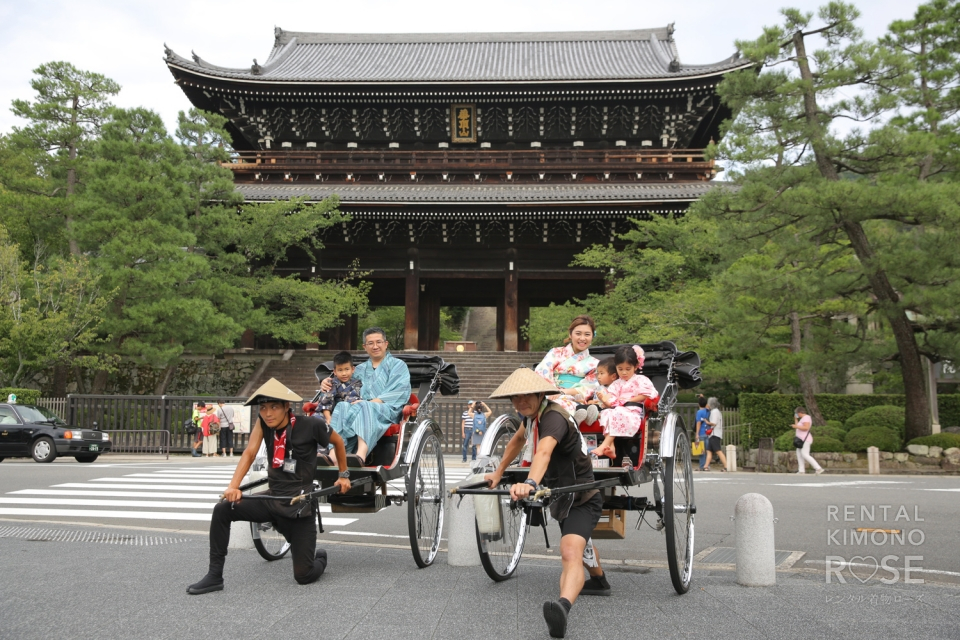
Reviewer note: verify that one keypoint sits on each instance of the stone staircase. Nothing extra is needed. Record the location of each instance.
(480, 371)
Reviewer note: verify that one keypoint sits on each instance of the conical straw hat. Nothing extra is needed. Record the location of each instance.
(274, 390)
(523, 381)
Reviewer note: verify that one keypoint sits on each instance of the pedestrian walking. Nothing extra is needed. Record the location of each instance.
(802, 441)
(700, 431)
(225, 416)
(466, 431)
(211, 432)
(715, 434)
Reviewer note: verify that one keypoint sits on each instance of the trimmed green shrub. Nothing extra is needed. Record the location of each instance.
(24, 396)
(784, 441)
(770, 413)
(827, 444)
(886, 416)
(859, 438)
(829, 430)
(942, 440)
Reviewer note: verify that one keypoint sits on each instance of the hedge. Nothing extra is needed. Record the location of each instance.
(821, 443)
(860, 438)
(942, 440)
(24, 396)
(770, 413)
(830, 430)
(886, 416)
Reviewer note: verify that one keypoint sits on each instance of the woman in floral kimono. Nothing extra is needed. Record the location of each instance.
(571, 368)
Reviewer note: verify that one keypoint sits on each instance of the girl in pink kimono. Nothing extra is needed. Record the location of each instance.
(618, 420)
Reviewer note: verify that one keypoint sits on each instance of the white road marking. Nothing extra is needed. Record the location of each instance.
(118, 494)
(136, 515)
(955, 489)
(158, 480)
(849, 483)
(159, 487)
(367, 533)
(69, 502)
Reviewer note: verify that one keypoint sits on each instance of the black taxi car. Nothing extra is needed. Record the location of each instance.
(29, 430)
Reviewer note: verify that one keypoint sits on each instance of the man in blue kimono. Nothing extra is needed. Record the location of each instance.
(386, 388)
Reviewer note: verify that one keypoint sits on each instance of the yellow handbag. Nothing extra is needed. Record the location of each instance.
(696, 448)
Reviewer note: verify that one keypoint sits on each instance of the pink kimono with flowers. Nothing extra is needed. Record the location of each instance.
(565, 369)
(621, 421)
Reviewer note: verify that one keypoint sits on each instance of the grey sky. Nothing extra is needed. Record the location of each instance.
(124, 40)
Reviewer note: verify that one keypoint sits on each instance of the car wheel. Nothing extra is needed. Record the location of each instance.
(87, 458)
(1, 459)
(43, 450)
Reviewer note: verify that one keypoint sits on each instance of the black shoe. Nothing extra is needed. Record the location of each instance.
(208, 583)
(556, 617)
(596, 587)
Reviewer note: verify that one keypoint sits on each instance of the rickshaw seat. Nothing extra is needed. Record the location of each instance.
(386, 449)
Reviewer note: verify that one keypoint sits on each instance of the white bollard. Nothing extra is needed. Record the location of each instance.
(731, 457)
(240, 536)
(873, 461)
(461, 533)
(756, 554)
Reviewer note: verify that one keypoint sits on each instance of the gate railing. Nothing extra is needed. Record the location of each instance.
(141, 441)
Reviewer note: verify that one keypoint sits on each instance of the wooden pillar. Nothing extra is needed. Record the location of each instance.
(500, 323)
(523, 316)
(429, 320)
(411, 327)
(351, 338)
(511, 331)
(247, 339)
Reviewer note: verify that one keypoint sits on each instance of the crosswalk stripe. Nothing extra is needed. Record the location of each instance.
(118, 494)
(159, 480)
(159, 487)
(135, 515)
(324, 508)
(180, 474)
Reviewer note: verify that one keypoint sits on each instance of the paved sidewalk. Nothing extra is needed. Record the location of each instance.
(94, 589)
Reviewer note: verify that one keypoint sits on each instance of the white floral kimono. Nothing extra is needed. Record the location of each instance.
(565, 369)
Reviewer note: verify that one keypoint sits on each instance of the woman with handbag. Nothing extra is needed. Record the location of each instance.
(715, 434)
(803, 439)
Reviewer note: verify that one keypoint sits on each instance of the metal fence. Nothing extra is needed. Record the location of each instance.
(120, 414)
(57, 405)
(131, 419)
(141, 441)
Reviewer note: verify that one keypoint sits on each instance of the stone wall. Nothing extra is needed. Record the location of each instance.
(917, 459)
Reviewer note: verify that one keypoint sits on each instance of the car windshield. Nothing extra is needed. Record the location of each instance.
(30, 413)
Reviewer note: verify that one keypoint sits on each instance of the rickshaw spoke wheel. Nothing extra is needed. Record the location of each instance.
(505, 527)
(678, 511)
(270, 543)
(426, 494)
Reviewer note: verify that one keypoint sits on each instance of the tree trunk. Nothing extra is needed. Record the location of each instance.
(81, 383)
(165, 381)
(99, 382)
(914, 386)
(808, 378)
(59, 387)
(72, 182)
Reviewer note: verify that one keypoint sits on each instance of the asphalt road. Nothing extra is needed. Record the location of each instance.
(106, 550)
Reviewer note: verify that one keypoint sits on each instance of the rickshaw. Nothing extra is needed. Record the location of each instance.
(659, 453)
(409, 450)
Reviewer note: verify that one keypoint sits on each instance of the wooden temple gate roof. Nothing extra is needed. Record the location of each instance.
(637, 55)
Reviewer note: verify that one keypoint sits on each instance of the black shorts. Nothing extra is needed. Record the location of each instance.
(583, 519)
(715, 444)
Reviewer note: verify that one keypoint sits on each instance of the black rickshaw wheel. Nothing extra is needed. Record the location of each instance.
(678, 510)
(505, 524)
(426, 495)
(270, 543)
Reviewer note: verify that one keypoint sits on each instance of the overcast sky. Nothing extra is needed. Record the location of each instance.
(124, 39)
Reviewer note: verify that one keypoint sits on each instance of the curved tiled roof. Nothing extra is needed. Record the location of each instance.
(647, 54)
(483, 193)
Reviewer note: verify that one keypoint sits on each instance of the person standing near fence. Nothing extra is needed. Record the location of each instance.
(715, 433)
(225, 416)
(803, 423)
(211, 432)
(199, 411)
(466, 431)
